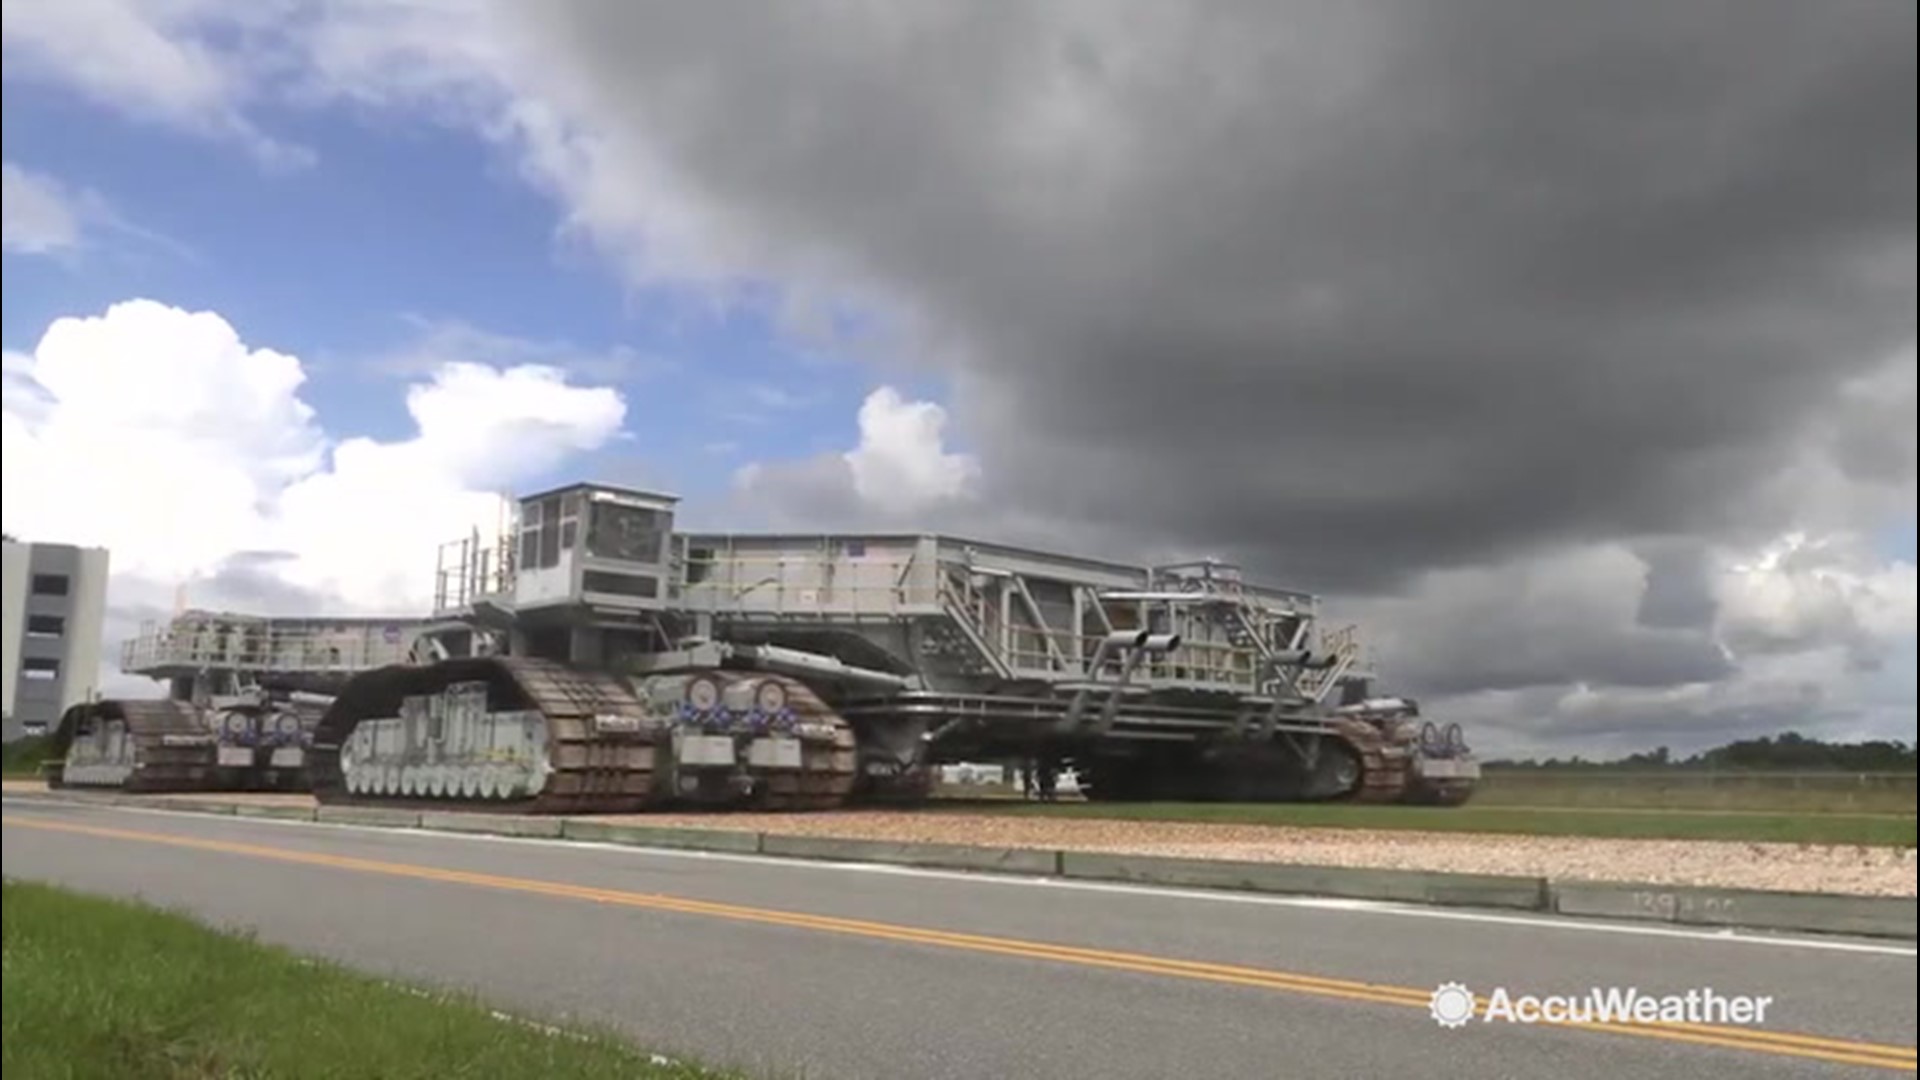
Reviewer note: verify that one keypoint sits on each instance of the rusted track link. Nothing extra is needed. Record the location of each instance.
(173, 746)
(595, 770)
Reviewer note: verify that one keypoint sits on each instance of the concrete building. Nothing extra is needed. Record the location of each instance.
(53, 603)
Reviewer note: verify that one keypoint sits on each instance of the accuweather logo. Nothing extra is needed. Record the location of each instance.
(1453, 1005)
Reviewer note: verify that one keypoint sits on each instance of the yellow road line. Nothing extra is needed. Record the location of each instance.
(1839, 1051)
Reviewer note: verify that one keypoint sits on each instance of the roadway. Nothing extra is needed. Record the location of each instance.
(790, 968)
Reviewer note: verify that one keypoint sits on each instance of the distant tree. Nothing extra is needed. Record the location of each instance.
(1789, 751)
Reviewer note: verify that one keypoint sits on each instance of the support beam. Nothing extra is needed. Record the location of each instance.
(1138, 645)
(1040, 624)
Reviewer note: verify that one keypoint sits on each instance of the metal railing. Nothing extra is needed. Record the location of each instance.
(820, 585)
(1343, 644)
(472, 567)
(794, 585)
(1021, 648)
(803, 585)
(266, 646)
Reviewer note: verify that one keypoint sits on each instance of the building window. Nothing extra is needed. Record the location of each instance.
(550, 534)
(607, 584)
(40, 668)
(50, 584)
(46, 626)
(627, 533)
(541, 534)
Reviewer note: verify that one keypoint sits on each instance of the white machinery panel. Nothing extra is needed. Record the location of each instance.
(774, 753)
(238, 757)
(706, 750)
(98, 775)
(288, 757)
(1442, 769)
(609, 723)
(185, 740)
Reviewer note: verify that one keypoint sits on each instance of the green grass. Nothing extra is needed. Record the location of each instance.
(1592, 789)
(118, 991)
(1770, 792)
(1868, 830)
(22, 757)
(1790, 807)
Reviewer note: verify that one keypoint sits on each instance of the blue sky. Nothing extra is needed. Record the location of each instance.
(427, 227)
(1900, 541)
(399, 227)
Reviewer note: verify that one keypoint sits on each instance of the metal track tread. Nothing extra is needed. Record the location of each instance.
(173, 748)
(594, 771)
(827, 773)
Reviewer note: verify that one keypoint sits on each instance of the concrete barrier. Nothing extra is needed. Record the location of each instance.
(278, 813)
(1818, 913)
(944, 856)
(1407, 886)
(728, 840)
(98, 798)
(185, 806)
(380, 816)
(493, 824)
(81, 795)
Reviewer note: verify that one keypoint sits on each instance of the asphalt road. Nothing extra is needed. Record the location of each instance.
(800, 969)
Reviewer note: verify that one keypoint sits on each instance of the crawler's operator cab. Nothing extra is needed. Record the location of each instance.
(595, 546)
(589, 550)
(580, 574)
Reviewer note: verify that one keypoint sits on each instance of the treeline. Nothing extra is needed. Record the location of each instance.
(1791, 751)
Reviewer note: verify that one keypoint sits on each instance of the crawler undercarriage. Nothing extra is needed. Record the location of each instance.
(243, 743)
(244, 694)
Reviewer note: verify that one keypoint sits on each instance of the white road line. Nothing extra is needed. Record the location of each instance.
(1158, 892)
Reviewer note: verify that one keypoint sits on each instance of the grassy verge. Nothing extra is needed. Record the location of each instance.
(22, 757)
(107, 989)
(1869, 830)
(1759, 792)
(1782, 793)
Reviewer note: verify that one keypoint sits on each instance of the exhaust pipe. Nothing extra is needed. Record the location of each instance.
(800, 663)
(1159, 643)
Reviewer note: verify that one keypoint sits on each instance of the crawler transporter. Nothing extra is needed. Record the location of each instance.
(593, 659)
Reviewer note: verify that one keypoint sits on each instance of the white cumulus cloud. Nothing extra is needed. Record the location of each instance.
(899, 473)
(188, 64)
(162, 435)
(902, 461)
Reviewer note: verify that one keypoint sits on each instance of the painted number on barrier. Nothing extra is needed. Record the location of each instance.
(1674, 906)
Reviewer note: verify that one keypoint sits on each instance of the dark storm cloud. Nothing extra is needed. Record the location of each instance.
(247, 581)
(1354, 289)
(1572, 620)
(1619, 725)
(1679, 591)
(244, 581)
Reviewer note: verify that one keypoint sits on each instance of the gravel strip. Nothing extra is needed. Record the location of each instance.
(1865, 871)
